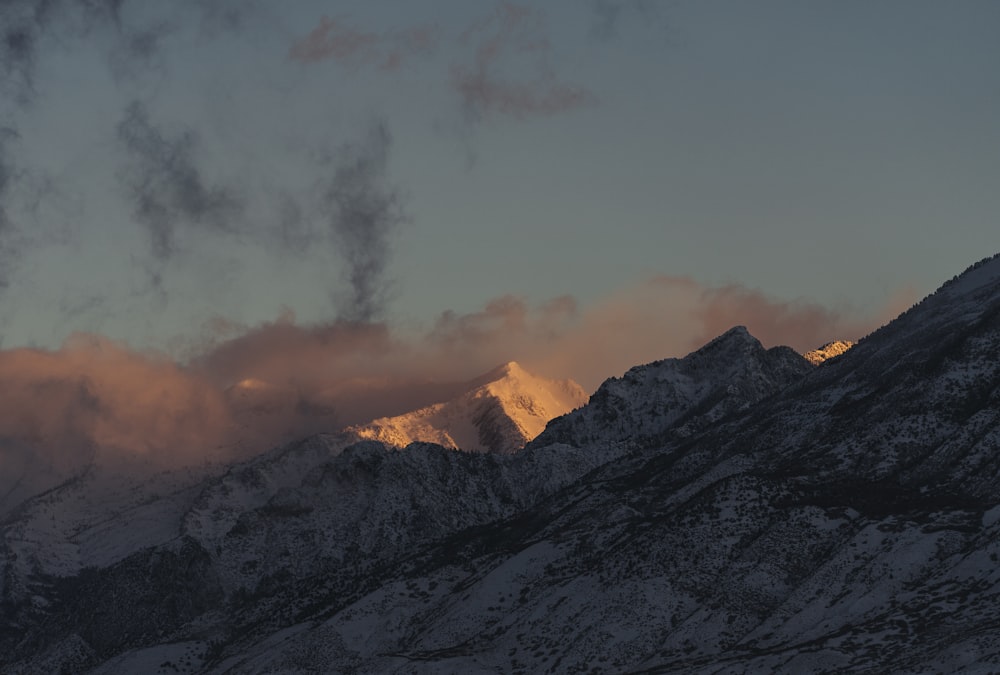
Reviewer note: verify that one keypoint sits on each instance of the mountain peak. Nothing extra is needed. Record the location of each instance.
(509, 369)
(732, 345)
(500, 411)
(733, 509)
(735, 336)
(679, 396)
(827, 351)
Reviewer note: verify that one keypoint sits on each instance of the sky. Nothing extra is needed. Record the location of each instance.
(332, 192)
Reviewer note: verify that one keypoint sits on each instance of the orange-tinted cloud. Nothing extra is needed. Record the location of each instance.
(663, 317)
(492, 78)
(483, 94)
(336, 40)
(333, 39)
(512, 30)
(248, 389)
(94, 401)
(801, 325)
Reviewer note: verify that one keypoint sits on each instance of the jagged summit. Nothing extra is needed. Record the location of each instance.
(729, 347)
(736, 333)
(730, 373)
(500, 412)
(827, 351)
(509, 369)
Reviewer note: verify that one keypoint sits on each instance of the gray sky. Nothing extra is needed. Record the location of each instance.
(164, 165)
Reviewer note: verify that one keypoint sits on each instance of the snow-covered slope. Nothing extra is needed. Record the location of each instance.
(827, 351)
(501, 412)
(102, 514)
(780, 518)
(678, 397)
(24, 473)
(309, 521)
(850, 523)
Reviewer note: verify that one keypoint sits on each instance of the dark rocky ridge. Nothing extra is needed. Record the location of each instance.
(731, 511)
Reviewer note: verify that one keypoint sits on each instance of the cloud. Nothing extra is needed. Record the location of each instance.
(20, 23)
(21, 195)
(802, 325)
(493, 78)
(662, 317)
(484, 95)
(167, 187)
(665, 316)
(8, 232)
(165, 170)
(139, 50)
(93, 400)
(97, 400)
(242, 390)
(278, 352)
(512, 31)
(408, 43)
(23, 25)
(361, 211)
(336, 40)
(659, 318)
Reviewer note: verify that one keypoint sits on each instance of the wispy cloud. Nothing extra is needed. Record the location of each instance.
(512, 30)
(361, 211)
(25, 23)
(484, 95)
(245, 389)
(166, 185)
(665, 316)
(8, 232)
(334, 39)
(502, 68)
(337, 40)
(20, 26)
(138, 50)
(163, 172)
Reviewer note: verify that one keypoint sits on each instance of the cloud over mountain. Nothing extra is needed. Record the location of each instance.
(248, 388)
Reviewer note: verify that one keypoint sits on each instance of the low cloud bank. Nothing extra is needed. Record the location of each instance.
(248, 389)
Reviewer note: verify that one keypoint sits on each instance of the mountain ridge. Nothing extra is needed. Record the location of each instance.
(648, 399)
(502, 411)
(737, 509)
(772, 565)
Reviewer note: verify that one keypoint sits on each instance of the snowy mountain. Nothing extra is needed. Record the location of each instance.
(827, 351)
(738, 510)
(52, 533)
(677, 397)
(305, 512)
(500, 413)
